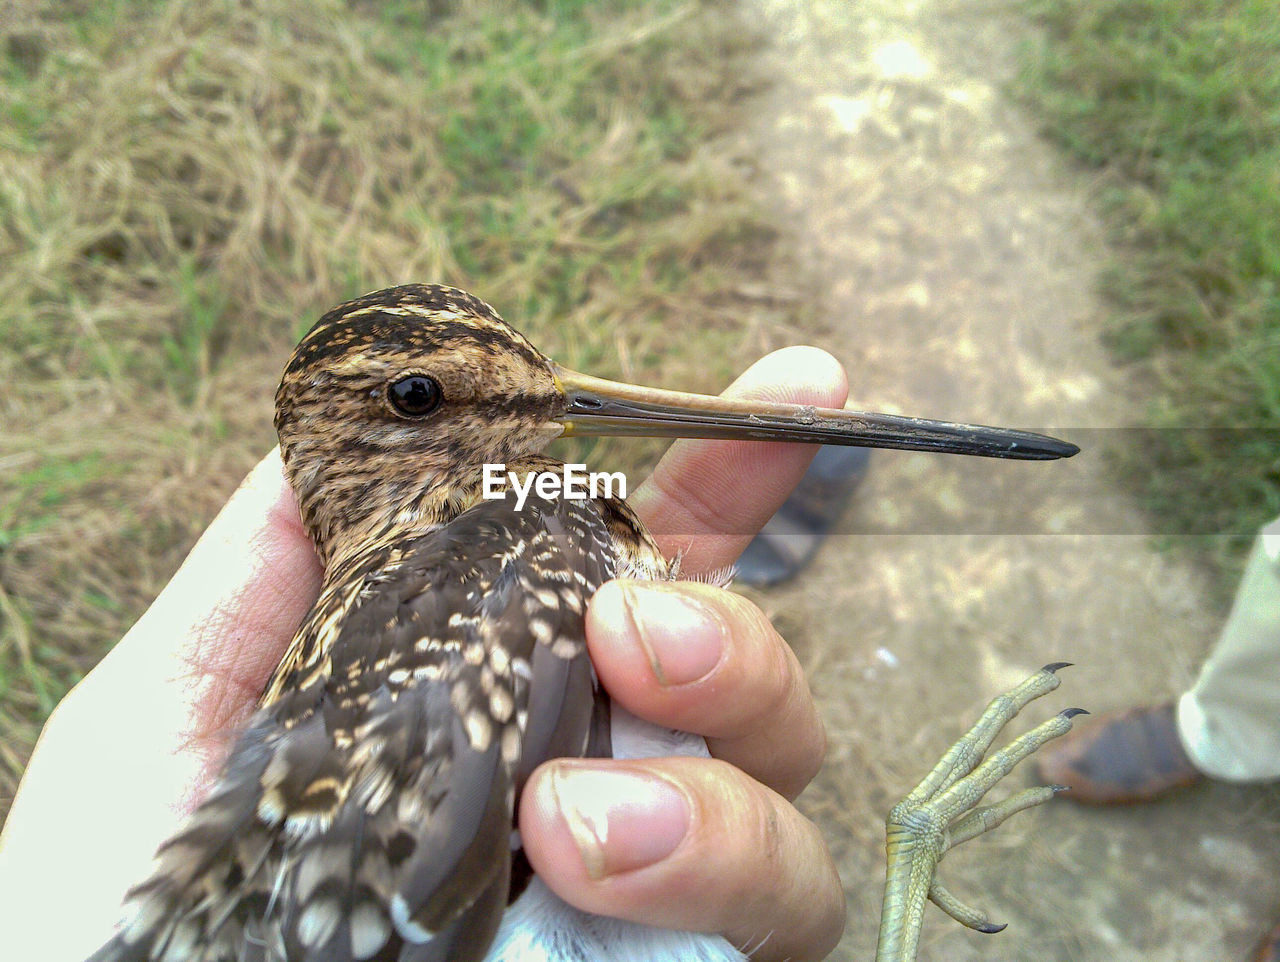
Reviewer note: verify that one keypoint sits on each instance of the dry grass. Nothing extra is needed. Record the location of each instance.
(184, 186)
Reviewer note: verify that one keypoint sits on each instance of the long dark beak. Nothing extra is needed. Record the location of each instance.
(595, 406)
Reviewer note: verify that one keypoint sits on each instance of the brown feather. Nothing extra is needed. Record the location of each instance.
(366, 811)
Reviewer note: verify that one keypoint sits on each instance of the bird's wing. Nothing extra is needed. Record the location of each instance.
(366, 811)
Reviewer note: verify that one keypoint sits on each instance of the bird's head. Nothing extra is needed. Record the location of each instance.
(405, 394)
(393, 403)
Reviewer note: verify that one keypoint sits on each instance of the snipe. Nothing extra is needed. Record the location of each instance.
(366, 811)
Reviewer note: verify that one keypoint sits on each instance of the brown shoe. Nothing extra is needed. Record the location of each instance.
(1269, 948)
(1120, 758)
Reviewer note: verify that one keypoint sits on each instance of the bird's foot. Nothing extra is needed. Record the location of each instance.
(942, 811)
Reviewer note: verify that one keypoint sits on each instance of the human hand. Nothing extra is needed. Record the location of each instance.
(702, 844)
(128, 753)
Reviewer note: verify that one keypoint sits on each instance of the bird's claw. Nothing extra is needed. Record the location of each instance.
(942, 812)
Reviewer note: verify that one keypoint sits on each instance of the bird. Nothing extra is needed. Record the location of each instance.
(366, 810)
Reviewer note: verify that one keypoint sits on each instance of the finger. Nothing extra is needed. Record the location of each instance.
(700, 659)
(684, 843)
(708, 498)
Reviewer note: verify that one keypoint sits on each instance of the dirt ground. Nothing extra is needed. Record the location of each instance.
(956, 259)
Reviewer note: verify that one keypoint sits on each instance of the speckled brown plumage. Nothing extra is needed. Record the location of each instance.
(369, 801)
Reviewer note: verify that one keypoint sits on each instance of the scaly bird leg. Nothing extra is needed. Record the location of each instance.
(940, 814)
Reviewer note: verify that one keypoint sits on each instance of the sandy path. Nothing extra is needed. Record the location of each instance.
(955, 259)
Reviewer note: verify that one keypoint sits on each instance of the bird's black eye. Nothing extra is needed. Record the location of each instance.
(414, 396)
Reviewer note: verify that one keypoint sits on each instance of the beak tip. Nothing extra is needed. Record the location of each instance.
(1039, 447)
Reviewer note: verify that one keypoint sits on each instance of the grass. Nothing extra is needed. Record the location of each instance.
(185, 186)
(1176, 104)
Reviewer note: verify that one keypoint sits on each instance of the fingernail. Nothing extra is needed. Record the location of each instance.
(620, 820)
(682, 638)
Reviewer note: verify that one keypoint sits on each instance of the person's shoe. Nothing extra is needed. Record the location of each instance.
(1120, 758)
(790, 539)
(1269, 948)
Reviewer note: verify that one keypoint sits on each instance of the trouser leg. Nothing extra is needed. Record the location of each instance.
(1230, 720)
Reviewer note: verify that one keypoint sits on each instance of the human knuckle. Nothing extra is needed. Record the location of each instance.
(812, 761)
(772, 674)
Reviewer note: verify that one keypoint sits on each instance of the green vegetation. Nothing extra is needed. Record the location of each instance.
(185, 186)
(1177, 104)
